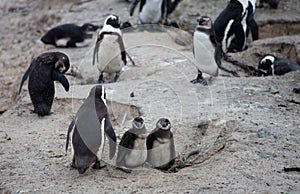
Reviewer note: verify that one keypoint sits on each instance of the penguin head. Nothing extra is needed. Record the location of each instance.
(88, 27)
(138, 123)
(204, 21)
(266, 62)
(163, 124)
(62, 64)
(113, 20)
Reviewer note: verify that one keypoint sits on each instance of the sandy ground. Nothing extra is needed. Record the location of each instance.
(246, 128)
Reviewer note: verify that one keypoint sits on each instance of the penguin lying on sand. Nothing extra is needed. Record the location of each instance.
(276, 66)
(132, 150)
(160, 146)
(231, 24)
(91, 124)
(42, 72)
(110, 48)
(153, 11)
(207, 50)
(70, 35)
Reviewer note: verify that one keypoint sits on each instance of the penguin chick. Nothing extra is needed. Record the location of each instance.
(111, 49)
(276, 66)
(207, 50)
(160, 146)
(91, 124)
(42, 72)
(132, 148)
(70, 35)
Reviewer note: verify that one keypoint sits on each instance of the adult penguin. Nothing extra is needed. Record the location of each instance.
(42, 72)
(153, 11)
(109, 49)
(70, 35)
(231, 23)
(91, 124)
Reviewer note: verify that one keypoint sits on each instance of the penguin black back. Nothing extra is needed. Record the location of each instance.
(42, 72)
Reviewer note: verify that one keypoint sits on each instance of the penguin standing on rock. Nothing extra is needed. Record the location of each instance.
(160, 146)
(132, 148)
(230, 24)
(42, 72)
(207, 50)
(91, 124)
(110, 48)
(275, 66)
(70, 35)
(153, 11)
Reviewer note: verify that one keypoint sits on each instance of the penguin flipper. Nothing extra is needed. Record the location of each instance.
(24, 78)
(172, 149)
(109, 131)
(57, 76)
(96, 49)
(125, 145)
(133, 6)
(71, 126)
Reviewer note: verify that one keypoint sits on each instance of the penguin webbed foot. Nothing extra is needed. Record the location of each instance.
(98, 165)
(124, 169)
(100, 79)
(115, 78)
(200, 80)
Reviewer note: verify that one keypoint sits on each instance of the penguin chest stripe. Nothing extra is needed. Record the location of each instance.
(225, 38)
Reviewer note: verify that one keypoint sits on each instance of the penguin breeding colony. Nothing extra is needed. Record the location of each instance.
(144, 95)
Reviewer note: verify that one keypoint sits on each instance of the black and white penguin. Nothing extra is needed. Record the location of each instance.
(70, 35)
(230, 24)
(110, 48)
(250, 21)
(154, 11)
(160, 146)
(42, 72)
(207, 50)
(132, 150)
(91, 124)
(272, 3)
(275, 66)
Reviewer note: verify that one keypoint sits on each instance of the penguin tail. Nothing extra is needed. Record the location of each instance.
(42, 109)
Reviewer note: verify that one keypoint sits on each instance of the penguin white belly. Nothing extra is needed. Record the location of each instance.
(151, 12)
(62, 41)
(110, 55)
(138, 155)
(160, 153)
(204, 54)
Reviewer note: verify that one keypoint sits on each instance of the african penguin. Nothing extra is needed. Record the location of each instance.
(42, 72)
(154, 11)
(231, 23)
(207, 50)
(251, 23)
(132, 150)
(70, 35)
(109, 49)
(160, 146)
(90, 124)
(275, 66)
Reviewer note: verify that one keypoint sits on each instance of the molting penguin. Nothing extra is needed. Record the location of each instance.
(231, 23)
(207, 50)
(70, 35)
(153, 11)
(91, 124)
(42, 72)
(111, 48)
(160, 145)
(132, 148)
(275, 66)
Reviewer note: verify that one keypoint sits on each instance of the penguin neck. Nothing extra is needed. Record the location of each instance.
(204, 29)
(109, 28)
